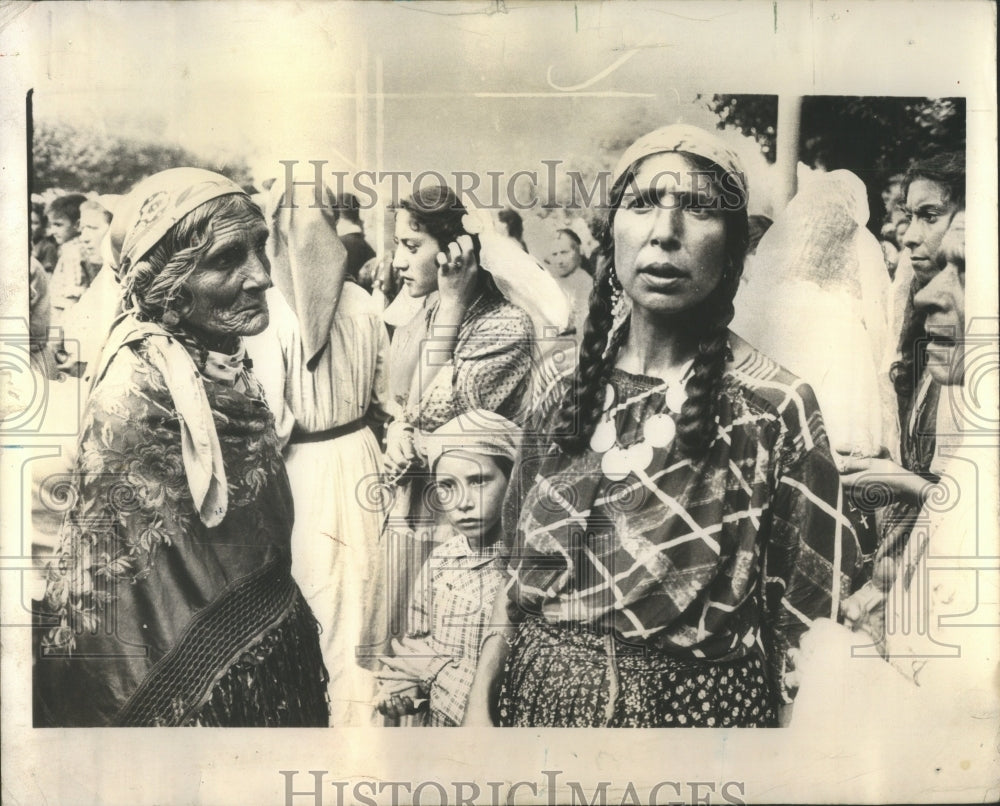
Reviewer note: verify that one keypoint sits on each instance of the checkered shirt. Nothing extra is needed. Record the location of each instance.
(451, 607)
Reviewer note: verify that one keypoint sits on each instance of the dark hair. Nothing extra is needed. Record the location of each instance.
(437, 211)
(513, 222)
(583, 405)
(96, 206)
(947, 169)
(39, 210)
(571, 235)
(346, 205)
(67, 206)
(155, 283)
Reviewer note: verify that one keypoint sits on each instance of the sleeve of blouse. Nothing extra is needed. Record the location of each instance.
(812, 558)
(450, 688)
(492, 363)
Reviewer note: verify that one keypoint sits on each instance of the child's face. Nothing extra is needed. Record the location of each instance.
(62, 229)
(470, 490)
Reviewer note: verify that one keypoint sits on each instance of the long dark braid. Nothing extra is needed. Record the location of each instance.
(583, 404)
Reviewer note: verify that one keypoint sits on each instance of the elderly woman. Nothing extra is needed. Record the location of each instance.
(172, 601)
(681, 526)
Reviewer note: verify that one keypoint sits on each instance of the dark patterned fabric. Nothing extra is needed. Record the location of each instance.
(565, 677)
(719, 559)
(147, 608)
(490, 368)
(918, 441)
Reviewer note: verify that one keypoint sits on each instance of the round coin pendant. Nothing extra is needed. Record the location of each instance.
(639, 456)
(614, 464)
(659, 430)
(675, 397)
(609, 396)
(604, 436)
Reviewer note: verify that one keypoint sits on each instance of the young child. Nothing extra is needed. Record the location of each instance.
(471, 457)
(69, 278)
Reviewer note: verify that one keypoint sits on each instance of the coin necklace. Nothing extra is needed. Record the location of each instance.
(657, 432)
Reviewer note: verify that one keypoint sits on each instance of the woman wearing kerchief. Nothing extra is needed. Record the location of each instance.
(172, 600)
(322, 364)
(682, 525)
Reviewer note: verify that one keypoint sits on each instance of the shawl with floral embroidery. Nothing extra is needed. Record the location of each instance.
(150, 616)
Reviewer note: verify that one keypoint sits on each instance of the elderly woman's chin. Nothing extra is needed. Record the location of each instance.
(222, 325)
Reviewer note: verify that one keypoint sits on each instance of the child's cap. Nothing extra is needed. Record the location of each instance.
(478, 431)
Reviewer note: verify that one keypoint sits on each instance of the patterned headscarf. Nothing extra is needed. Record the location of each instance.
(158, 202)
(479, 432)
(681, 137)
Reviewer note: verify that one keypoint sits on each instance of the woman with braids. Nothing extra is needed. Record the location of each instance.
(679, 517)
(171, 601)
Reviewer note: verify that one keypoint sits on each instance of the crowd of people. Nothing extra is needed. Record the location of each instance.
(458, 485)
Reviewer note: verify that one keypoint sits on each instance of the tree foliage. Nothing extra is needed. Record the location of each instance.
(878, 136)
(73, 158)
(875, 137)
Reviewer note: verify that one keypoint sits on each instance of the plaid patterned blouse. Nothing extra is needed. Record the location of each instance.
(451, 607)
(707, 560)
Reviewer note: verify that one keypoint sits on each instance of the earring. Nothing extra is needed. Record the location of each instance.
(171, 318)
(617, 295)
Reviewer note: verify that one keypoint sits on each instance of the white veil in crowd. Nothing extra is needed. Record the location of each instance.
(817, 303)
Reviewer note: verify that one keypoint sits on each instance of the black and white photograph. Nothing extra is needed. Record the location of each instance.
(374, 369)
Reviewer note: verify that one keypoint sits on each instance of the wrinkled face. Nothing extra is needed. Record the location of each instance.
(227, 288)
(470, 490)
(565, 257)
(62, 229)
(943, 301)
(930, 214)
(415, 257)
(93, 226)
(670, 236)
(37, 228)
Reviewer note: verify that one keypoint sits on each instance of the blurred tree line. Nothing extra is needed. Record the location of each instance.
(875, 137)
(79, 159)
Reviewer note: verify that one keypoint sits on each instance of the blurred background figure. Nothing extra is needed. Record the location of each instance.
(69, 278)
(512, 226)
(43, 246)
(565, 265)
(88, 323)
(347, 211)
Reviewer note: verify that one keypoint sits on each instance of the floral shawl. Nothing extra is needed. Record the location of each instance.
(151, 616)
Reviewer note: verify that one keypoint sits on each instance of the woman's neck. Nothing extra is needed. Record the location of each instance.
(215, 342)
(657, 346)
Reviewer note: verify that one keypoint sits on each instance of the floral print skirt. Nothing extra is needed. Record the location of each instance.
(569, 676)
